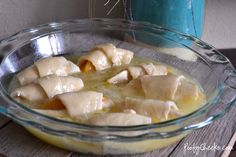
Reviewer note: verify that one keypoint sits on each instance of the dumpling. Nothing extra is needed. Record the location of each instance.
(28, 75)
(129, 111)
(119, 119)
(169, 87)
(134, 72)
(52, 65)
(56, 65)
(105, 56)
(107, 102)
(108, 49)
(120, 77)
(187, 91)
(147, 69)
(117, 56)
(160, 87)
(31, 92)
(54, 85)
(80, 103)
(98, 59)
(123, 57)
(134, 88)
(156, 70)
(151, 107)
(48, 87)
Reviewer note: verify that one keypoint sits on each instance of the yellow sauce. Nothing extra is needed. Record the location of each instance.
(98, 81)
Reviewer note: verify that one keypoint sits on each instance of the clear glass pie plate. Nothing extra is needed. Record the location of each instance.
(194, 57)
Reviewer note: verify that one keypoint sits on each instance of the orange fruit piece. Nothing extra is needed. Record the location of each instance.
(87, 67)
(52, 104)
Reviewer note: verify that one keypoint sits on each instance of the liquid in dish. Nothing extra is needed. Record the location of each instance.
(107, 86)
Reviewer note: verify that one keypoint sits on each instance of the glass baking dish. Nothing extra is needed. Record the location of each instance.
(194, 57)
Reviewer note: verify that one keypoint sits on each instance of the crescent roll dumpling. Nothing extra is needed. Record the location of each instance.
(123, 57)
(31, 92)
(134, 87)
(157, 70)
(117, 56)
(48, 87)
(105, 56)
(147, 69)
(52, 65)
(119, 119)
(28, 75)
(54, 85)
(120, 77)
(169, 87)
(109, 50)
(80, 103)
(151, 107)
(187, 91)
(160, 87)
(56, 65)
(97, 58)
(137, 71)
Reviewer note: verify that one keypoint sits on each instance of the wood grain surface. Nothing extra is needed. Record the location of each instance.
(3, 121)
(17, 142)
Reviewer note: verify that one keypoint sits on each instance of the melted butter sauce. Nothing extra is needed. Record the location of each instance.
(97, 81)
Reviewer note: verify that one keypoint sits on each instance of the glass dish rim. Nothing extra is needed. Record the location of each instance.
(179, 120)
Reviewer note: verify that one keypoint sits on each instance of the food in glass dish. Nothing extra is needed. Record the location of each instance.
(109, 86)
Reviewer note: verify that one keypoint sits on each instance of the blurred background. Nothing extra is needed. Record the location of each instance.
(219, 24)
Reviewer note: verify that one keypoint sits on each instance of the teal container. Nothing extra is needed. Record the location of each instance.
(185, 16)
(182, 15)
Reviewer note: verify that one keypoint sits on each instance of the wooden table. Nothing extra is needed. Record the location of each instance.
(15, 141)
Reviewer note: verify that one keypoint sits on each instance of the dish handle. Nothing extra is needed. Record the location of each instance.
(228, 94)
(3, 106)
(11, 111)
(230, 80)
(2, 109)
(223, 104)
